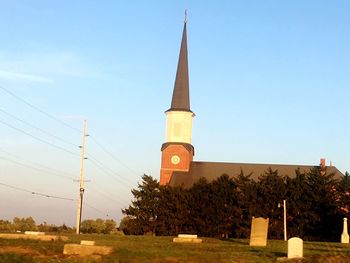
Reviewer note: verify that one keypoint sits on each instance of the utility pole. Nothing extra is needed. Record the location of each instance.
(81, 184)
(285, 219)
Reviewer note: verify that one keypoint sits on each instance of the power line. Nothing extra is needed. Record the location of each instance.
(113, 157)
(106, 196)
(37, 193)
(37, 128)
(50, 196)
(94, 161)
(67, 125)
(100, 166)
(98, 210)
(39, 110)
(108, 173)
(37, 138)
(71, 175)
(35, 168)
(91, 157)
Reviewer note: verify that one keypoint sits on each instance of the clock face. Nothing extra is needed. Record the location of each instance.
(175, 159)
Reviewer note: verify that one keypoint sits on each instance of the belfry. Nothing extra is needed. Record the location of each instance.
(177, 151)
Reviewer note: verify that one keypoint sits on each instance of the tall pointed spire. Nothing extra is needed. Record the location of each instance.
(181, 96)
(177, 151)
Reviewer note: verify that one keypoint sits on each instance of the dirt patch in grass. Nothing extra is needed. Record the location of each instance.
(29, 255)
(328, 259)
(18, 250)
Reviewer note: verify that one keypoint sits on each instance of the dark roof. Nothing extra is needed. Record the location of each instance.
(213, 170)
(188, 146)
(181, 96)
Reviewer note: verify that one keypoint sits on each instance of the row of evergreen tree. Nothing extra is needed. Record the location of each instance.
(316, 206)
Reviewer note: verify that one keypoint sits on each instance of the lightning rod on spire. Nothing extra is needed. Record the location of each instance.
(185, 21)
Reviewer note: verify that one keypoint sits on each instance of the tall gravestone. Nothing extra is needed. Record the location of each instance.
(345, 235)
(295, 247)
(258, 233)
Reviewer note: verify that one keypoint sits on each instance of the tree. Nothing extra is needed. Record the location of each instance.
(144, 208)
(213, 208)
(109, 226)
(343, 199)
(91, 226)
(246, 190)
(201, 209)
(271, 191)
(129, 226)
(299, 208)
(173, 211)
(226, 205)
(98, 226)
(6, 226)
(24, 224)
(65, 228)
(47, 227)
(322, 196)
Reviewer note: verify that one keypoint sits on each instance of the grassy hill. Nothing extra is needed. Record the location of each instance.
(162, 249)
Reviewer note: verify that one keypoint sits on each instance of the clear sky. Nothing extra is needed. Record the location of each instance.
(269, 83)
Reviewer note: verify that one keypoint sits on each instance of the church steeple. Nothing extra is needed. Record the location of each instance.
(177, 151)
(181, 96)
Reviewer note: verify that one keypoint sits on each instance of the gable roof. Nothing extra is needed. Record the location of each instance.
(213, 170)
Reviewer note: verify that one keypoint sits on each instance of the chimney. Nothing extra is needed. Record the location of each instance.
(323, 166)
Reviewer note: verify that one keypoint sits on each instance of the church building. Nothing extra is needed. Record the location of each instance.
(177, 164)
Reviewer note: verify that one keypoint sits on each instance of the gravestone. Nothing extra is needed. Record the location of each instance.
(258, 233)
(86, 250)
(87, 242)
(295, 247)
(185, 238)
(345, 235)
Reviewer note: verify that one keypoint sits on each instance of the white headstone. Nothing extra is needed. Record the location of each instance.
(258, 233)
(345, 235)
(186, 236)
(295, 247)
(87, 242)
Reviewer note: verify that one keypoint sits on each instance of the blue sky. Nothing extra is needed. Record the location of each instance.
(269, 83)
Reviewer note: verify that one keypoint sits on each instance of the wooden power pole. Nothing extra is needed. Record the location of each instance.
(285, 219)
(81, 182)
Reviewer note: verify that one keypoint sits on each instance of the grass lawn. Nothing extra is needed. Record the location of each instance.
(162, 249)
